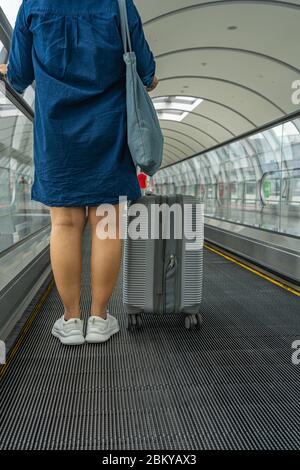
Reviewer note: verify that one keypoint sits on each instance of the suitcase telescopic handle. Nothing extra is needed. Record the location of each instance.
(172, 262)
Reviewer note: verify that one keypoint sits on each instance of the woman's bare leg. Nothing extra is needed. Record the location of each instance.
(66, 257)
(105, 263)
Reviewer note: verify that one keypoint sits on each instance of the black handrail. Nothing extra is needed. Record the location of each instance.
(17, 99)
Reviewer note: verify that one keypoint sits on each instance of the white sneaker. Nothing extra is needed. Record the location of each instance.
(69, 331)
(100, 330)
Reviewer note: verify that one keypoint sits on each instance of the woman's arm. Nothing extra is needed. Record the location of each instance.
(3, 69)
(154, 84)
(20, 73)
(146, 65)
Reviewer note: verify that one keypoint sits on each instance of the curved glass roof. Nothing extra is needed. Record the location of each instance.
(241, 58)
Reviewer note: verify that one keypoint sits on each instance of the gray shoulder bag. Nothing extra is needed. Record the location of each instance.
(145, 138)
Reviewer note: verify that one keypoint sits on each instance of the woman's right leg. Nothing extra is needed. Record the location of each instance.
(105, 262)
(105, 266)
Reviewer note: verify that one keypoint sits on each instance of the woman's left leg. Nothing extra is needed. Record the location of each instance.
(66, 257)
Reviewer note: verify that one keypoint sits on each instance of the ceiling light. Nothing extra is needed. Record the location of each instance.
(175, 107)
(172, 115)
(189, 99)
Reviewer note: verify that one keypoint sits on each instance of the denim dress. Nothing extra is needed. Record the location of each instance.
(73, 50)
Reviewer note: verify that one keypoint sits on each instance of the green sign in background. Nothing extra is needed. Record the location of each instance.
(267, 189)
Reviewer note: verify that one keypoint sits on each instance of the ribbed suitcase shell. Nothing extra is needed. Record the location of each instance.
(140, 265)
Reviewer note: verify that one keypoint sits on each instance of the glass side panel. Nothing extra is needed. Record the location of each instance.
(19, 216)
(254, 181)
(14, 261)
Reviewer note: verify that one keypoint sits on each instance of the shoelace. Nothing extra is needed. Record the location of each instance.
(93, 319)
(75, 325)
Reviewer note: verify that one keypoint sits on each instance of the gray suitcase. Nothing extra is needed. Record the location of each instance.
(162, 270)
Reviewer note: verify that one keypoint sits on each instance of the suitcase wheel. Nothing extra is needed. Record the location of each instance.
(193, 321)
(199, 321)
(134, 322)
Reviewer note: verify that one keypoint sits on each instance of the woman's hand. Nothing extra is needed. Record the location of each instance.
(154, 84)
(3, 69)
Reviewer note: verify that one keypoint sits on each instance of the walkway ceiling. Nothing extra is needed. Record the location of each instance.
(241, 57)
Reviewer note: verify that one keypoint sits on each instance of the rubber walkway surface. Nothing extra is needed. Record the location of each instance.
(230, 385)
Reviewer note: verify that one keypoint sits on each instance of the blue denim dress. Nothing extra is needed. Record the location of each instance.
(73, 50)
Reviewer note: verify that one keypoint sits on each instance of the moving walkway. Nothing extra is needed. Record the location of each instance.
(232, 385)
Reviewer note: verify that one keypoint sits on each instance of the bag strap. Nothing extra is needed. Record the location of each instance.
(124, 26)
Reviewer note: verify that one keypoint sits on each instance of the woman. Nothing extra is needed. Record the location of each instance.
(73, 50)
